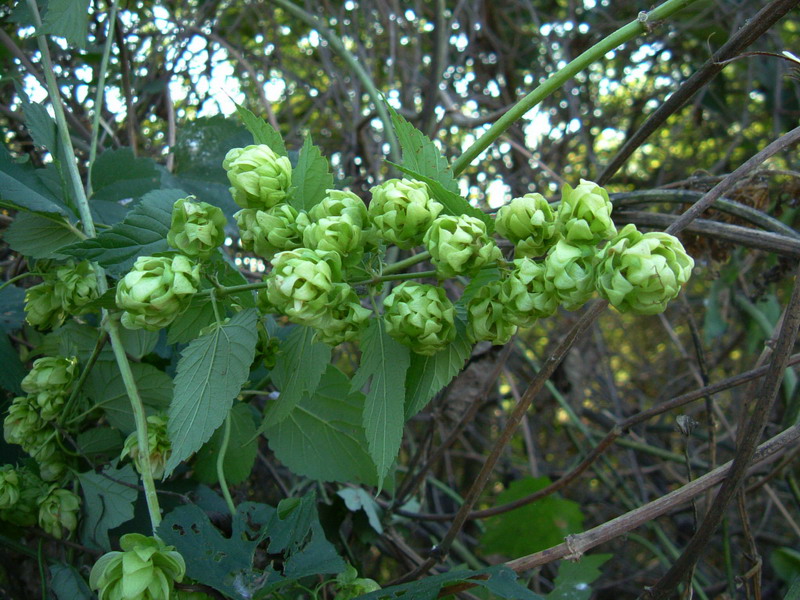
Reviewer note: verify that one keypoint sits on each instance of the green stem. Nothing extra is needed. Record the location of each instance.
(223, 484)
(215, 306)
(233, 289)
(99, 97)
(641, 25)
(18, 277)
(396, 277)
(76, 389)
(402, 265)
(355, 65)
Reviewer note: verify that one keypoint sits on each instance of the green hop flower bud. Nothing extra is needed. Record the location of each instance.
(529, 223)
(43, 309)
(267, 347)
(340, 203)
(460, 245)
(197, 228)
(268, 232)
(487, 317)
(58, 512)
(258, 176)
(301, 283)
(158, 445)
(156, 290)
(53, 468)
(584, 216)
(146, 569)
(49, 382)
(569, 272)
(22, 421)
(420, 316)
(9, 487)
(402, 211)
(42, 445)
(345, 320)
(336, 234)
(350, 585)
(641, 272)
(526, 295)
(25, 510)
(75, 285)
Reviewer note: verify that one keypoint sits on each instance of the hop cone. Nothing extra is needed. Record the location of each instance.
(569, 272)
(460, 245)
(145, 569)
(529, 223)
(157, 290)
(9, 487)
(75, 286)
(340, 203)
(158, 443)
(197, 228)
(22, 421)
(345, 320)
(641, 272)
(58, 512)
(487, 317)
(336, 234)
(25, 510)
(584, 216)
(43, 308)
(526, 295)
(49, 382)
(402, 211)
(259, 177)
(275, 230)
(420, 316)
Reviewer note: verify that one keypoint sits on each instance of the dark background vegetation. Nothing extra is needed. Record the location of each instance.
(451, 68)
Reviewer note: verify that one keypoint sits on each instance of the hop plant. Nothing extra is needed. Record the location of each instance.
(420, 316)
(584, 216)
(529, 223)
(9, 487)
(341, 203)
(526, 294)
(145, 569)
(336, 234)
(197, 228)
(156, 290)
(49, 382)
(350, 585)
(158, 444)
(54, 467)
(641, 272)
(43, 308)
(460, 245)
(75, 285)
(22, 421)
(259, 177)
(487, 317)
(402, 211)
(301, 283)
(58, 512)
(268, 232)
(30, 488)
(569, 272)
(345, 320)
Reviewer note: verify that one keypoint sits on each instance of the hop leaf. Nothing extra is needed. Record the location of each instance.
(488, 319)
(460, 245)
(402, 211)
(584, 216)
(529, 223)
(641, 272)
(259, 177)
(569, 272)
(197, 228)
(420, 316)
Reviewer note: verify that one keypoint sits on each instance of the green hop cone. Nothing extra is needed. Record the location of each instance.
(402, 211)
(345, 320)
(58, 512)
(336, 234)
(49, 382)
(43, 309)
(349, 585)
(460, 245)
(570, 272)
(197, 228)
(156, 290)
(529, 223)
(75, 286)
(9, 487)
(25, 510)
(641, 272)
(22, 421)
(259, 177)
(275, 230)
(158, 443)
(301, 283)
(584, 216)
(526, 294)
(53, 468)
(145, 569)
(487, 316)
(340, 203)
(420, 316)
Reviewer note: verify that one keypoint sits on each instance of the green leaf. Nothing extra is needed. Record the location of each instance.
(323, 438)
(68, 19)
(142, 233)
(41, 125)
(240, 454)
(298, 368)
(188, 324)
(104, 386)
(138, 342)
(21, 187)
(786, 563)
(100, 440)
(119, 175)
(210, 374)
(572, 582)
(107, 503)
(67, 584)
(263, 132)
(552, 518)
(311, 177)
(356, 499)
(453, 203)
(13, 370)
(39, 236)
(384, 363)
(429, 374)
(12, 308)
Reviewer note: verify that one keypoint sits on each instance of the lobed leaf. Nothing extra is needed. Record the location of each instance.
(67, 584)
(108, 501)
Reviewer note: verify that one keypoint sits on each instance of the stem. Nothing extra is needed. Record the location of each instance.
(633, 29)
(18, 277)
(396, 277)
(402, 265)
(233, 289)
(352, 62)
(223, 484)
(76, 389)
